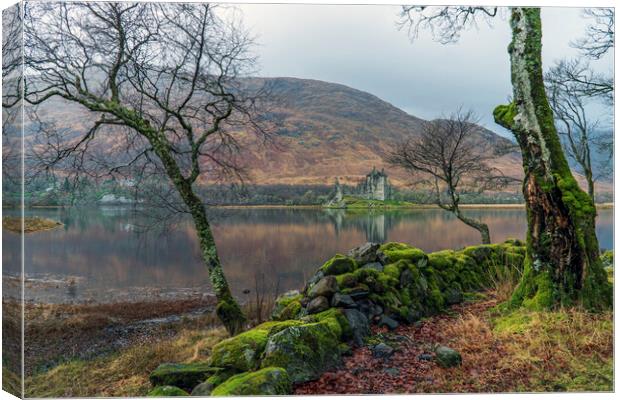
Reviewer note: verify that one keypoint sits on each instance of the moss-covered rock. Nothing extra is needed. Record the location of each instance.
(325, 287)
(393, 252)
(287, 301)
(335, 319)
(339, 264)
(166, 391)
(304, 351)
(241, 352)
(447, 357)
(184, 376)
(264, 382)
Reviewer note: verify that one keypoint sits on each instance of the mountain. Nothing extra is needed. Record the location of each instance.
(322, 131)
(327, 130)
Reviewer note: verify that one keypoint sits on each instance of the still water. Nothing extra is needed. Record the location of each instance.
(107, 249)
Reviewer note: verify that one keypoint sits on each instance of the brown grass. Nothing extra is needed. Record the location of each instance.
(566, 350)
(124, 373)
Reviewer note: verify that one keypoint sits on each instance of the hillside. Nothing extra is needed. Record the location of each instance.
(322, 131)
(326, 130)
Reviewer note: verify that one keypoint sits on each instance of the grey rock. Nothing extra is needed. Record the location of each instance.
(453, 296)
(343, 301)
(383, 259)
(389, 322)
(359, 325)
(425, 357)
(447, 357)
(203, 389)
(382, 350)
(315, 278)
(369, 308)
(365, 253)
(406, 278)
(317, 305)
(358, 294)
(392, 371)
(374, 265)
(326, 287)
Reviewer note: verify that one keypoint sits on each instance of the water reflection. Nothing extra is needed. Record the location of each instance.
(103, 249)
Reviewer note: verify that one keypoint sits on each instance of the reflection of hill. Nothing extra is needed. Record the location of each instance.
(287, 245)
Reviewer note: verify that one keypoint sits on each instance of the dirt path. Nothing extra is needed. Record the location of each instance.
(407, 371)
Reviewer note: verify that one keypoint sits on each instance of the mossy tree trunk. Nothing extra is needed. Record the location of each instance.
(562, 265)
(228, 310)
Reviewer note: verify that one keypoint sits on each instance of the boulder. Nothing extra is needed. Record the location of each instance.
(315, 278)
(425, 357)
(166, 391)
(203, 389)
(382, 350)
(339, 264)
(389, 322)
(283, 301)
(327, 286)
(358, 293)
(369, 308)
(317, 305)
(343, 301)
(360, 328)
(264, 382)
(304, 351)
(365, 253)
(184, 376)
(241, 352)
(374, 265)
(447, 357)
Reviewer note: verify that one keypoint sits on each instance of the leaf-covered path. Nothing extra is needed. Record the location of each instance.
(409, 370)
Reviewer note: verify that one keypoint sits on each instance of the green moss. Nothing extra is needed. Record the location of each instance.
(346, 280)
(401, 251)
(273, 327)
(514, 322)
(290, 303)
(291, 311)
(304, 351)
(264, 382)
(338, 265)
(335, 320)
(240, 352)
(166, 391)
(184, 376)
(504, 115)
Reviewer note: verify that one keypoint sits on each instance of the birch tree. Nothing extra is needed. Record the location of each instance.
(562, 264)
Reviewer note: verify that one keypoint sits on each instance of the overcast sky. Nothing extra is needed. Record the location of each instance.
(361, 47)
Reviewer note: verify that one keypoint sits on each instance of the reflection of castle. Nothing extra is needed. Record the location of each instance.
(374, 225)
(376, 186)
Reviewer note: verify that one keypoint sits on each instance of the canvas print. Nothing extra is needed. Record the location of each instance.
(300, 199)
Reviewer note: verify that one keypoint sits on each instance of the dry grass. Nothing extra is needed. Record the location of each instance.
(124, 373)
(565, 350)
(31, 224)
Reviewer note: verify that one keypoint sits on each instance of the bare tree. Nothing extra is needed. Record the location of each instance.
(452, 160)
(160, 85)
(599, 36)
(562, 264)
(580, 133)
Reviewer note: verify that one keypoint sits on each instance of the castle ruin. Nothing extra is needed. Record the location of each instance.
(375, 186)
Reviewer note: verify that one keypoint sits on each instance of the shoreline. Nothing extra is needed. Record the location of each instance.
(600, 206)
